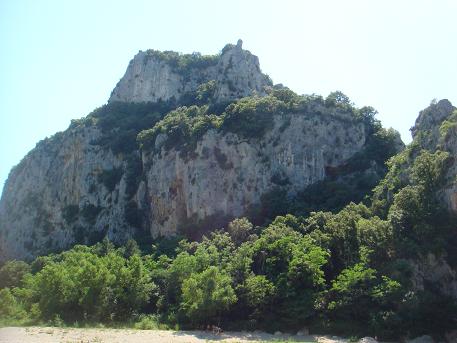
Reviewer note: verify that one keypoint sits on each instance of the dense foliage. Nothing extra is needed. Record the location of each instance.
(251, 117)
(180, 128)
(120, 123)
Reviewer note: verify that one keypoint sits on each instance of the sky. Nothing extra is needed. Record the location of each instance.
(59, 60)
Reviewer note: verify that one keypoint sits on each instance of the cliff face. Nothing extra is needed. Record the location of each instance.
(54, 196)
(154, 76)
(78, 186)
(227, 175)
(436, 128)
(57, 196)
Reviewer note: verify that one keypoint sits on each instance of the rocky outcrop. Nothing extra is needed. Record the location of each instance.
(449, 143)
(437, 271)
(431, 118)
(54, 197)
(227, 175)
(154, 75)
(436, 128)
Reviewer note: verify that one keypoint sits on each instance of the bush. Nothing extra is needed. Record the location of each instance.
(9, 308)
(181, 128)
(184, 63)
(251, 117)
(87, 286)
(148, 322)
(120, 123)
(207, 295)
(13, 273)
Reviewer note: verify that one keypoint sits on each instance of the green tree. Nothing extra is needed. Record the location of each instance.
(12, 273)
(259, 291)
(84, 285)
(359, 294)
(206, 295)
(338, 98)
(9, 306)
(376, 235)
(240, 229)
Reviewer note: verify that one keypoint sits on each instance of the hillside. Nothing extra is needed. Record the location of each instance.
(185, 144)
(255, 208)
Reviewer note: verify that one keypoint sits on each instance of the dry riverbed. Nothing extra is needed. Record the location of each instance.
(70, 335)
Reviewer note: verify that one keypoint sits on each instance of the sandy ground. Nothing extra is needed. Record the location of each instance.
(67, 335)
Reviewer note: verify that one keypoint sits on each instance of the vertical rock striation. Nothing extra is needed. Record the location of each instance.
(153, 75)
(78, 187)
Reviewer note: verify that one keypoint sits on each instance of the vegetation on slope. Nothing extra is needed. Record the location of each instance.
(252, 116)
(347, 272)
(128, 128)
(184, 63)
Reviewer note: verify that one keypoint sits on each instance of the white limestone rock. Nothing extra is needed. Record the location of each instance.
(150, 76)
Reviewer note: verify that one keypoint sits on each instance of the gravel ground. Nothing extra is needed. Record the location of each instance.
(70, 335)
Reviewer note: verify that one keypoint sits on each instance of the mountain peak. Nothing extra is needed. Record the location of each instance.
(154, 75)
(432, 116)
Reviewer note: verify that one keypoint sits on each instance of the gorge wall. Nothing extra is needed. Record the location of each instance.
(76, 187)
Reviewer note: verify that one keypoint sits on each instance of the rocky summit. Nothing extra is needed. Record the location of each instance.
(154, 75)
(188, 142)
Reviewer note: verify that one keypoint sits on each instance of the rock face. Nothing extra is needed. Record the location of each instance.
(437, 126)
(73, 189)
(46, 193)
(227, 175)
(56, 196)
(434, 270)
(154, 76)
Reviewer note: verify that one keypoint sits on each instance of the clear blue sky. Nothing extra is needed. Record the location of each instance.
(60, 59)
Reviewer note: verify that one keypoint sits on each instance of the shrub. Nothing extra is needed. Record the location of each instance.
(12, 273)
(182, 128)
(206, 295)
(184, 63)
(84, 284)
(9, 308)
(120, 122)
(148, 322)
(251, 117)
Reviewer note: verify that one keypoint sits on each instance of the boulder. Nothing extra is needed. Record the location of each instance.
(368, 340)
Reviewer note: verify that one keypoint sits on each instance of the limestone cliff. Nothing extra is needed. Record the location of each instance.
(154, 75)
(94, 180)
(227, 175)
(436, 128)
